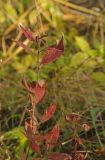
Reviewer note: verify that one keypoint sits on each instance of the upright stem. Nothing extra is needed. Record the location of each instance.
(37, 72)
(39, 19)
(27, 153)
(38, 52)
(75, 143)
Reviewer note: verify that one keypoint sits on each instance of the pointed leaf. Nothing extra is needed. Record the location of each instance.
(37, 90)
(34, 146)
(52, 137)
(54, 134)
(19, 43)
(60, 45)
(53, 52)
(38, 95)
(28, 34)
(59, 156)
(48, 113)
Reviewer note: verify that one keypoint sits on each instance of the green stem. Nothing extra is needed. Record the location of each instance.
(27, 153)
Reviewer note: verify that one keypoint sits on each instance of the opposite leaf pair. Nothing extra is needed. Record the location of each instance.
(50, 138)
(51, 52)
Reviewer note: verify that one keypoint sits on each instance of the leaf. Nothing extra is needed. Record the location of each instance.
(30, 128)
(48, 113)
(28, 34)
(83, 44)
(34, 146)
(37, 90)
(53, 52)
(52, 137)
(99, 77)
(59, 156)
(94, 112)
(77, 59)
(31, 15)
(60, 45)
(19, 43)
(11, 11)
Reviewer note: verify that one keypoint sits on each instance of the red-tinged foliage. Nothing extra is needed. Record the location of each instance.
(60, 45)
(80, 157)
(48, 113)
(34, 145)
(59, 156)
(19, 43)
(52, 137)
(53, 52)
(72, 117)
(23, 155)
(30, 128)
(28, 34)
(80, 141)
(37, 91)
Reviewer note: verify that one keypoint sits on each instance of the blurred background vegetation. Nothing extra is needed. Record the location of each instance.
(76, 82)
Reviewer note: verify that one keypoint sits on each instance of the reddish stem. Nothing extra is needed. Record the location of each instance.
(75, 143)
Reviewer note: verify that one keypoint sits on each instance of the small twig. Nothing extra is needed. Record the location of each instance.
(30, 114)
(68, 141)
(102, 32)
(79, 8)
(4, 46)
(39, 19)
(25, 108)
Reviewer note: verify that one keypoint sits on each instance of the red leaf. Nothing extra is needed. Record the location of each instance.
(52, 137)
(53, 52)
(72, 117)
(59, 156)
(60, 45)
(27, 49)
(34, 146)
(54, 134)
(81, 156)
(27, 33)
(48, 113)
(37, 90)
(30, 128)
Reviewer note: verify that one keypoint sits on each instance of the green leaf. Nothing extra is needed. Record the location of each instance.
(94, 112)
(11, 11)
(15, 133)
(31, 15)
(82, 44)
(99, 77)
(31, 74)
(28, 60)
(2, 17)
(78, 59)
